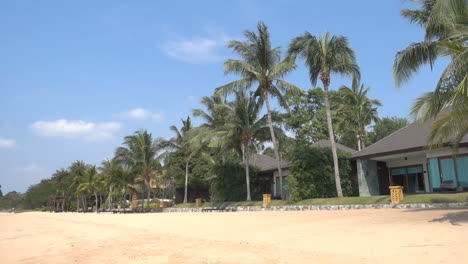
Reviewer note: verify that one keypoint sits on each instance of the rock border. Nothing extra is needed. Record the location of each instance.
(325, 207)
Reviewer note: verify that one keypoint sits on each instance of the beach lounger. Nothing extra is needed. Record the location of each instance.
(221, 208)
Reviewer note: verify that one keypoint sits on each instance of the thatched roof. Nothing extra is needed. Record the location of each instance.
(325, 143)
(266, 163)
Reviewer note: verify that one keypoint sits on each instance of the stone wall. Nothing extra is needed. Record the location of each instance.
(328, 207)
(368, 179)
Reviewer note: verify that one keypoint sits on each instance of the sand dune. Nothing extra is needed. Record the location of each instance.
(356, 236)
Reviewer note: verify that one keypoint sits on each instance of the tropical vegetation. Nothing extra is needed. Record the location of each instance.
(212, 160)
(445, 35)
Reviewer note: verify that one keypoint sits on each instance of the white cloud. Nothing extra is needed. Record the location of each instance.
(142, 114)
(7, 143)
(196, 50)
(76, 129)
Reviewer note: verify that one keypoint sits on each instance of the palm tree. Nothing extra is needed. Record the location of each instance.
(61, 178)
(245, 126)
(260, 65)
(77, 170)
(446, 31)
(357, 111)
(139, 155)
(91, 183)
(323, 56)
(184, 142)
(215, 121)
(110, 171)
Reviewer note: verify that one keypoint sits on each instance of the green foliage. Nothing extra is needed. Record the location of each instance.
(12, 200)
(199, 169)
(1, 194)
(385, 127)
(37, 195)
(312, 173)
(306, 116)
(229, 183)
(446, 32)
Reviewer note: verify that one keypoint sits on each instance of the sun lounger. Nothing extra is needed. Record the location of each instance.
(221, 208)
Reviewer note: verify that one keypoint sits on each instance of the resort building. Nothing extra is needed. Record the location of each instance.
(403, 159)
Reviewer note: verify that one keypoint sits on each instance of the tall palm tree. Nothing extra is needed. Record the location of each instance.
(246, 126)
(62, 181)
(77, 170)
(324, 56)
(446, 35)
(357, 110)
(139, 154)
(110, 171)
(91, 183)
(183, 141)
(260, 66)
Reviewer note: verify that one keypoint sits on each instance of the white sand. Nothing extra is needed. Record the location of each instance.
(355, 236)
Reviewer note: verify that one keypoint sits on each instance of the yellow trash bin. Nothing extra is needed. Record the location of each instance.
(266, 199)
(396, 194)
(198, 202)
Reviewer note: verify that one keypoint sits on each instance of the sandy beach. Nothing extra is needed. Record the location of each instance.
(355, 236)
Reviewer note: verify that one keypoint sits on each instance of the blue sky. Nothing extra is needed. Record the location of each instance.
(77, 76)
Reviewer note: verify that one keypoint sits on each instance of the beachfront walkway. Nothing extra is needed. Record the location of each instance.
(354, 236)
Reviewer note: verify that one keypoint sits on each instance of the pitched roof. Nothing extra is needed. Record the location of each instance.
(266, 163)
(410, 138)
(325, 143)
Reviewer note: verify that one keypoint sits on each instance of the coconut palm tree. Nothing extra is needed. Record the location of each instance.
(91, 183)
(245, 126)
(77, 170)
(324, 56)
(140, 155)
(446, 31)
(185, 142)
(357, 111)
(213, 129)
(110, 171)
(261, 67)
(62, 181)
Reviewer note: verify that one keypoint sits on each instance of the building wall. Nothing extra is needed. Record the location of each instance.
(367, 177)
(367, 171)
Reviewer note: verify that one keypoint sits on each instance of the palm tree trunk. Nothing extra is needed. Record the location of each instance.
(339, 192)
(362, 140)
(275, 144)
(358, 142)
(247, 172)
(96, 198)
(186, 179)
(148, 197)
(77, 203)
(84, 203)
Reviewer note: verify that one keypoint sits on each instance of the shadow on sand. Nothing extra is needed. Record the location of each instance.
(455, 218)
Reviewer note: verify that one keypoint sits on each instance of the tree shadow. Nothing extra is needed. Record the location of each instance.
(453, 218)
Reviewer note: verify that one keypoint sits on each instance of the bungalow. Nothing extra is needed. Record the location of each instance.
(268, 168)
(402, 159)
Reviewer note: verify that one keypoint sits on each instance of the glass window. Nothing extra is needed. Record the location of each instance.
(434, 176)
(462, 170)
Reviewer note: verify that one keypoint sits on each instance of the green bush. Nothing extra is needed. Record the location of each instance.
(312, 173)
(229, 183)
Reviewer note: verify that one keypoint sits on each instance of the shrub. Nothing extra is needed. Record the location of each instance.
(312, 173)
(229, 183)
